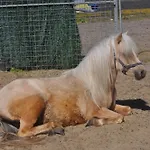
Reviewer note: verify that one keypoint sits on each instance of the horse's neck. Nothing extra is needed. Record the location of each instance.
(97, 76)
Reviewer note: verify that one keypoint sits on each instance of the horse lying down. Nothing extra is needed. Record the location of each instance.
(85, 94)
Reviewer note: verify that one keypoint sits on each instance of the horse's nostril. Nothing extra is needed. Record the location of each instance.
(140, 74)
(143, 73)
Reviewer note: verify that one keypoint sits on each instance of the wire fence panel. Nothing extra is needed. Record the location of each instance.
(51, 34)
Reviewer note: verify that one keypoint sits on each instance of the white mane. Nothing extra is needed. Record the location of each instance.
(95, 69)
(128, 45)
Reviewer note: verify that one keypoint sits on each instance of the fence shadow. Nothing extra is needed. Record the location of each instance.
(135, 103)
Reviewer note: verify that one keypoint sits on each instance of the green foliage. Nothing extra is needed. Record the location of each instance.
(15, 70)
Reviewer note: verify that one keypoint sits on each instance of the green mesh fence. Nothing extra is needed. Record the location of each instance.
(38, 36)
(52, 34)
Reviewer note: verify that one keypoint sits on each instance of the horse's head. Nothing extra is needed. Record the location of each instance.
(126, 60)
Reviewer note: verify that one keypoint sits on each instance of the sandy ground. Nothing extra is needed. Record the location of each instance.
(92, 33)
(133, 134)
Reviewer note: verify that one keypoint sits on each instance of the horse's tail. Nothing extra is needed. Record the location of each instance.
(7, 131)
(6, 127)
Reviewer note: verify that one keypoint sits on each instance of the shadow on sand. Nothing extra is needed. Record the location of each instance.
(135, 103)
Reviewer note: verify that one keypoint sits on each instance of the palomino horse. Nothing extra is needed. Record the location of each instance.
(85, 94)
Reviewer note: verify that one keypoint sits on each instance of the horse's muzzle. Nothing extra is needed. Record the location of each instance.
(139, 74)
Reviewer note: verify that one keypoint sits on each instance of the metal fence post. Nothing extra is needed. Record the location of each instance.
(120, 17)
(116, 15)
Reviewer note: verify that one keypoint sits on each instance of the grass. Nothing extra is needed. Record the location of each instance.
(92, 17)
(136, 13)
(132, 14)
(15, 70)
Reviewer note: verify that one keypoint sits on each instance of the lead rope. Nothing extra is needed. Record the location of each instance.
(114, 53)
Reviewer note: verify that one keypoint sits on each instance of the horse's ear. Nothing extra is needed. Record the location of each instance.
(119, 38)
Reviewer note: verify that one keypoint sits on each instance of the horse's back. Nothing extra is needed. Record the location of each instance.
(21, 88)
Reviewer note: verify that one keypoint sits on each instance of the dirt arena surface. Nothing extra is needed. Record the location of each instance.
(133, 134)
(92, 33)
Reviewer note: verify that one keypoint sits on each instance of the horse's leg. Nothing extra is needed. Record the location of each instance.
(123, 110)
(28, 120)
(27, 129)
(105, 116)
(27, 111)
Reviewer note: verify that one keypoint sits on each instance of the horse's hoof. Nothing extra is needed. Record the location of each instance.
(57, 130)
(120, 119)
(91, 122)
